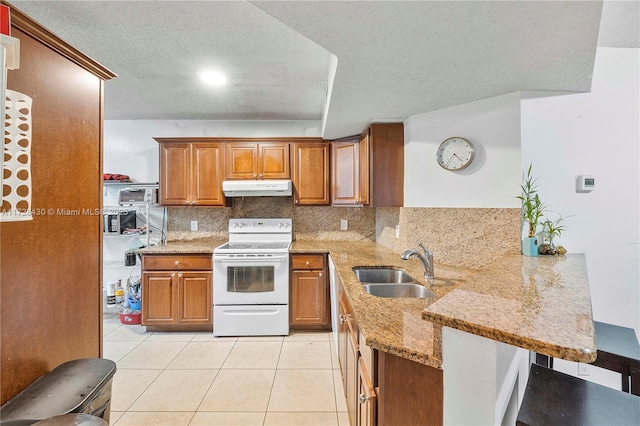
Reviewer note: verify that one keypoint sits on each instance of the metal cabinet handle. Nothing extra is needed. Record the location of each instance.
(180, 275)
(320, 274)
(173, 275)
(363, 399)
(342, 319)
(295, 202)
(307, 262)
(177, 262)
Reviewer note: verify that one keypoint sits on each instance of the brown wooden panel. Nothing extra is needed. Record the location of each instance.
(307, 261)
(310, 174)
(159, 298)
(50, 278)
(160, 262)
(274, 161)
(409, 393)
(367, 398)
(242, 160)
(175, 174)
(195, 298)
(364, 166)
(308, 298)
(344, 172)
(387, 164)
(207, 172)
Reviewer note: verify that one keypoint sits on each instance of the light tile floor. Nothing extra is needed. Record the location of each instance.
(178, 379)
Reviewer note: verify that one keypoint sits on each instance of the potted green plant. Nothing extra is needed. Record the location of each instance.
(532, 211)
(550, 230)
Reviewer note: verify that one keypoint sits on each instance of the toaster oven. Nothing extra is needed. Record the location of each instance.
(137, 196)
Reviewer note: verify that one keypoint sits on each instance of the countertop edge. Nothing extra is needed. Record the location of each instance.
(545, 348)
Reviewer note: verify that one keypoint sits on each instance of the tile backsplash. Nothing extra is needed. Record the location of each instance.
(469, 237)
(465, 237)
(309, 223)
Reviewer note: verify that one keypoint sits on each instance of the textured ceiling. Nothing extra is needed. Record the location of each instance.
(394, 59)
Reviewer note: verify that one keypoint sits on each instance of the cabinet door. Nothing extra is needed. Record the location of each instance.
(274, 161)
(175, 174)
(386, 164)
(363, 168)
(195, 303)
(345, 178)
(351, 379)
(367, 403)
(207, 172)
(242, 160)
(343, 342)
(159, 298)
(308, 299)
(310, 175)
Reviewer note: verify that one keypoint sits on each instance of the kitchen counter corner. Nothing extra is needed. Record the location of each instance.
(542, 304)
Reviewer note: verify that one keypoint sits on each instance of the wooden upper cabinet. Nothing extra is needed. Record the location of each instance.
(207, 174)
(253, 160)
(369, 169)
(364, 169)
(175, 174)
(386, 164)
(191, 173)
(310, 173)
(345, 173)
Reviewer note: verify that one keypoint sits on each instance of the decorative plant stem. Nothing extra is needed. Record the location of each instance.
(532, 207)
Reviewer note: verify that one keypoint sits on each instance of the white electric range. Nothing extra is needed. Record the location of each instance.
(251, 279)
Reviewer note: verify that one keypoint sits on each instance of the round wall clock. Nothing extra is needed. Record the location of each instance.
(455, 153)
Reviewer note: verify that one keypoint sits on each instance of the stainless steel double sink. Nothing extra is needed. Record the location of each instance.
(390, 282)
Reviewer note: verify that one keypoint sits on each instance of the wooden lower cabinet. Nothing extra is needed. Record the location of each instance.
(384, 389)
(174, 296)
(367, 398)
(309, 306)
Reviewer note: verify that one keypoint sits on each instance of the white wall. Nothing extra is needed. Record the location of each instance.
(493, 127)
(595, 133)
(129, 147)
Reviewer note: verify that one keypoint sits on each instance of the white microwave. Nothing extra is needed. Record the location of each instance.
(137, 196)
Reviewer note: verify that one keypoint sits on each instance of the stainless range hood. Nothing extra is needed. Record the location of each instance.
(256, 188)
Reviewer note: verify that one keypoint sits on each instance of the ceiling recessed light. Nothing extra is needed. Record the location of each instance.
(213, 78)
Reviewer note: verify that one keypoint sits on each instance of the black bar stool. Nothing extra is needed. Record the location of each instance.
(555, 398)
(618, 350)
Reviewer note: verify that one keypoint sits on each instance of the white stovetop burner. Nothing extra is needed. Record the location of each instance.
(257, 236)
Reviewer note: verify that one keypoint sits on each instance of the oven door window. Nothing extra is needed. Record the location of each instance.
(250, 279)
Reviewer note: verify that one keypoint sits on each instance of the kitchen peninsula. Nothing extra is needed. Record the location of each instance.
(539, 304)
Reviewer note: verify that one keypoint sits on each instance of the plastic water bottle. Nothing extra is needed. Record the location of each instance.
(111, 295)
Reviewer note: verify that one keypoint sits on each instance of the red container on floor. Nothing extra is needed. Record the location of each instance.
(130, 317)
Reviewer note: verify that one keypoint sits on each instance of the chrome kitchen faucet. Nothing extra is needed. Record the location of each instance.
(426, 259)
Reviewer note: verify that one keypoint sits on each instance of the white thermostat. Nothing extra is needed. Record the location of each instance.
(585, 183)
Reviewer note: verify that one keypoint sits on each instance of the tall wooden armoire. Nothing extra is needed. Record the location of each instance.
(51, 265)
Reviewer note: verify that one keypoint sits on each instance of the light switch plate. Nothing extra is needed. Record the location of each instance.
(344, 224)
(194, 225)
(397, 231)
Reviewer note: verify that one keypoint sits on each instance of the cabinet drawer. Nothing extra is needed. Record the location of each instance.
(176, 262)
(307, 261)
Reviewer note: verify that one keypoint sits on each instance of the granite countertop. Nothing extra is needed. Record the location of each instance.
(538, 303)
(392, 325)
(198, 246)
(542, 304)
